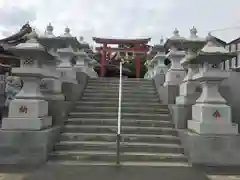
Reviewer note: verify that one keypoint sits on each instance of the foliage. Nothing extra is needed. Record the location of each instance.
(132, 66)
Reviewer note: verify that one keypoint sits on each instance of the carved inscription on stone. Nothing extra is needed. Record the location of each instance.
(216, 114)
(43, 85)
(28, 62)
(23, 109)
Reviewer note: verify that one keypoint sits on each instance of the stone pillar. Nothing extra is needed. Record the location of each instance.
(85, 64)
(52, 87)
(160, 69)
(91, 72)
(68, 74)
(176, 73)
(190, 89)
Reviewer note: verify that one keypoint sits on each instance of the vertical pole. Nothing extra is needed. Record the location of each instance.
(137, 67)
(119, 115)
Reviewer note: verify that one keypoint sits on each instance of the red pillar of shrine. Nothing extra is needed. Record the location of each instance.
(103, 59)
(138, 67)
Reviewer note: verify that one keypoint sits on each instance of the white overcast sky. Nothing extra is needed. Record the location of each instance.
(123, 18)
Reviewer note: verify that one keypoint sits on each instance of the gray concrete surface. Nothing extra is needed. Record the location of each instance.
(27, 147)
(211, 150)
(59, 172)
(28, 173)
(230, 90)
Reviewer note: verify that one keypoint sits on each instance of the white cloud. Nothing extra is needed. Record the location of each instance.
(125, 18)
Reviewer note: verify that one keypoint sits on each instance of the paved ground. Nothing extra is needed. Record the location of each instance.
(56, 172)
(61, 172)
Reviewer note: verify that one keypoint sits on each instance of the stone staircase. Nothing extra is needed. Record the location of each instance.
(148, 136)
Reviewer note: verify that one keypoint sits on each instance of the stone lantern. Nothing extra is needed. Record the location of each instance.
(189, 89)
(29, 110)
(91, 72)
(176, 73)
(211, 114)
(51, 88)
(159, 69)
(68, 74)
(81, 62)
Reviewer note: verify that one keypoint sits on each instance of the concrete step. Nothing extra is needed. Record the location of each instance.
(115, 95)
(113, 122)
(107, 115)
(124, 82)
(117, 79)
(124, 99)
(123, 79)
(125, 91)
(124, 86)
(124, 129)
(113, 164)
(110, 156)
(111, 146)
(95, 103)
(124, 137)
(88, 108)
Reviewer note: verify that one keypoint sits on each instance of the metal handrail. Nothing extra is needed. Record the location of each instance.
(119, 115)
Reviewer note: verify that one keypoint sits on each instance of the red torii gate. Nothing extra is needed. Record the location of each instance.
(141, 47)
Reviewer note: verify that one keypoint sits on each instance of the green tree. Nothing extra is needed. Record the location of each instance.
(132, 65)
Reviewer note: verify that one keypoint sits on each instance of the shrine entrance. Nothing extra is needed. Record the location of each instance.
(130, 47)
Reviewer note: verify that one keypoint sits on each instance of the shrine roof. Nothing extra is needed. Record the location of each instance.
(121, 41)
(18, 37)
(235, 41)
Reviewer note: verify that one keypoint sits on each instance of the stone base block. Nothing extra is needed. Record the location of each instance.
(26, 147)
(174, 77)
(59, 110)
(211, 113)
(26, 123)
(211, 150)
(212, 127)
(52, 85)
(168, 94)
(159, 79)
(189, 88)
(190, 99)
(72, 91)
(53, 96)
(180, 115)
(28, 108)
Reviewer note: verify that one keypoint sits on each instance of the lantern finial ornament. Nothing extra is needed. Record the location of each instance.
(49, 27)
(176, 32)
(67, 32)
(193, 32)
(81, 38)
(162, 41)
